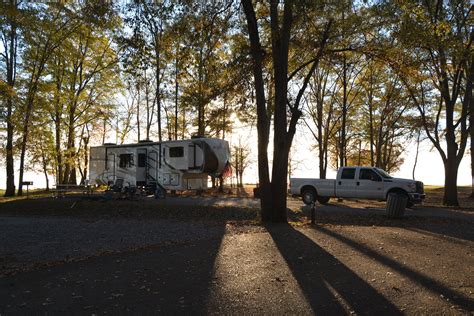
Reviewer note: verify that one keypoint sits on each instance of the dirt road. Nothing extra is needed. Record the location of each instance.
(352, 261)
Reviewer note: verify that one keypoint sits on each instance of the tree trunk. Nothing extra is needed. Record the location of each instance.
(450, 183)
(263, 121)
(371, 130)
(24, 140)
(149, 115)
(176, 87)
(58, 153)
(10, 188)
(416, 155)
(471, 119)
(281, 140)
(471, 124)
(86, 157)
(342, 149)
(45, 169)
(201, 127)
(11, 74)
(279, 185)
(158, 82)
(221, 184)
(321, 138)
(322, 169)
(213, 181)
(138, 112)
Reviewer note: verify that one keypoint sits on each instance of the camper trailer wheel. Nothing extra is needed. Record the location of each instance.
(160, 193)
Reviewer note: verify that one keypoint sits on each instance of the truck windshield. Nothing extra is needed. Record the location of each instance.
(383, 173)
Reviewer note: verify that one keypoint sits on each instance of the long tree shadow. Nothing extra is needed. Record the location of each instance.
(167, 279)
(425, 281)
(345, 215)
(328, 285)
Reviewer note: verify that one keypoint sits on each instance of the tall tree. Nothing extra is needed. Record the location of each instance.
(9, 29)
(321, 117)
(273, 193)
(49, 30)
(434, 59)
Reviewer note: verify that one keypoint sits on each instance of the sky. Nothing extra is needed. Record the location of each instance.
(429, 168)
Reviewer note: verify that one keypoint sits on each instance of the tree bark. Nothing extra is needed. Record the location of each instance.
(138, 112)
(263, 121)
(176, 87)
(158, 82)
(273, 194)
(416, 155)
(11, 76)
(471, 128)
(450, 197)
(471, 122)
(342, 144)
(26, 127)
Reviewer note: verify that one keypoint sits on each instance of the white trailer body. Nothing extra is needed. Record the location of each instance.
(175, 165)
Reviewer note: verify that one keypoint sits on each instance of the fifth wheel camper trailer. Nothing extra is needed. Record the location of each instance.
(173, 165)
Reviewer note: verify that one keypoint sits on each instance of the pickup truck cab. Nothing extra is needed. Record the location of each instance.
(357, 183)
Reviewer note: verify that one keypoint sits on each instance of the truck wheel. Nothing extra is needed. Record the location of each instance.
(323, 199)
(410, 204)
(309, 196)
(396, 203)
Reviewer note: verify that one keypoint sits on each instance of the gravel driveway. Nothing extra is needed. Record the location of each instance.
(40, 239)
(35, 239)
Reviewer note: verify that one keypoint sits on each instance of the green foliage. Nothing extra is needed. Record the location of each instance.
(186, 68)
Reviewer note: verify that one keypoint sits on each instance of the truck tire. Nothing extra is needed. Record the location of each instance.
(309, 196)
(396, 203)
(323, 199)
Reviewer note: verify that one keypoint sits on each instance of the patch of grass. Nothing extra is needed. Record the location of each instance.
(434, 197)
(142, 208)
(32, 194)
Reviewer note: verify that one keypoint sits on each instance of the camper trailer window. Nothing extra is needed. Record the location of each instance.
(126, 161)
(176, 152)
(141, 160)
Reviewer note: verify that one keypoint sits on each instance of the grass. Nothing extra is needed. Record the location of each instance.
(434, 197)
(141, 208)
(39, 203)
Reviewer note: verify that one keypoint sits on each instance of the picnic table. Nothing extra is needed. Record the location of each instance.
(60, 190)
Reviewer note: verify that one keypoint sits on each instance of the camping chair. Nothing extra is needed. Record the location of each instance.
(117, 186)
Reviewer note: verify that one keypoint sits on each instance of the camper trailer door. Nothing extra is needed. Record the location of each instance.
(110, 167)
(141, 166)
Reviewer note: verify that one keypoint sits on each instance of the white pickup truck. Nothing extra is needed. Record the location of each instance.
(357, 183)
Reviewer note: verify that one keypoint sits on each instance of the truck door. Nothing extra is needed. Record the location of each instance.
(370, 185)
(346, 184)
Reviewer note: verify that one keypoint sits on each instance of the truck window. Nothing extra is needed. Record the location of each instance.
(369, 174)
(348, 173)
(126, 160)
(176, 152)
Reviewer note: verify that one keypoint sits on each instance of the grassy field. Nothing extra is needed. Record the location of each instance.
(144, 207)
(434, 197)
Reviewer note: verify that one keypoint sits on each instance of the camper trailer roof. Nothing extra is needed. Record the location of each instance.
(147, 143)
